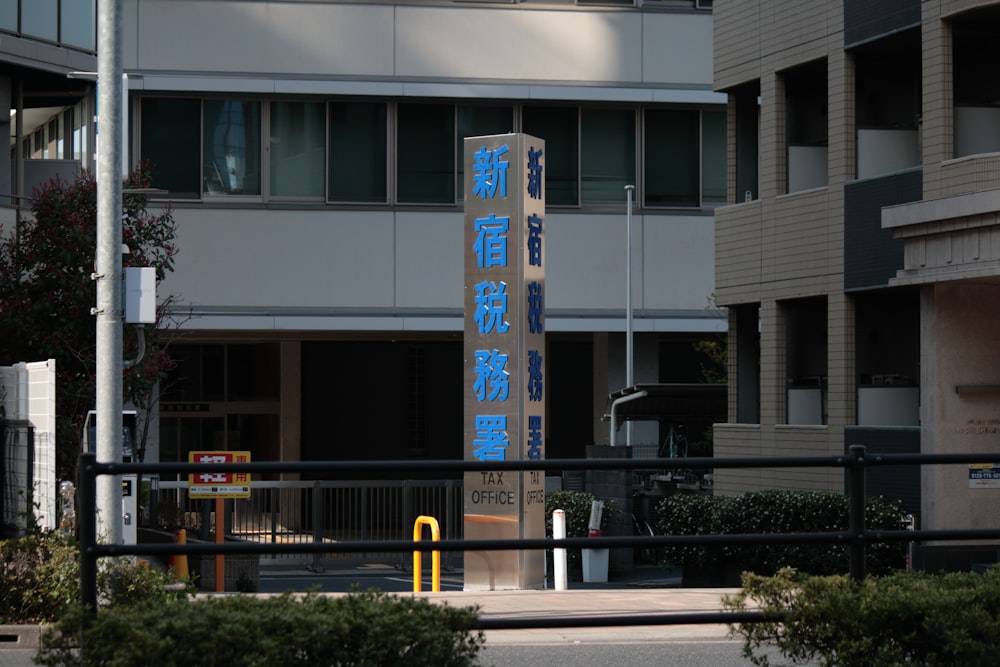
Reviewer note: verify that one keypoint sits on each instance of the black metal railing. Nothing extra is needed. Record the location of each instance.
(857, 536)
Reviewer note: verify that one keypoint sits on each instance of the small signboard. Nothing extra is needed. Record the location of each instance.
(984, 475)
(219, 484)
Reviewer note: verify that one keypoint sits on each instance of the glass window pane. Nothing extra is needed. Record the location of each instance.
(171, 141)
(671, 155)
(358, 149)
(79, 24)
(232, 147)
(80, 131)
(558, 127)
(425, 154)
(713, 157)
(607, 157)
(479, 121)
(8, 15)
(298, 149)
(252, 372)
(39, 18)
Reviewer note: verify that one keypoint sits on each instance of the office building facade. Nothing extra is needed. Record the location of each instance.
(858, 255)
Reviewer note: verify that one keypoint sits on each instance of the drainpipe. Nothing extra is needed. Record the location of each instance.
(614, 411)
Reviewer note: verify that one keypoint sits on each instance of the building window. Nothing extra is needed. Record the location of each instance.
(607, 153)
(358, 152)
(672, 161)
(806, 125)
(806, 359)
(297, 149)
(746, 320)
(78, 23)
(425, 154)
(8, 15)
(558, 126)
(170, 135)
(39, 18)
(231, 147)
(713, 157)
(746, 101)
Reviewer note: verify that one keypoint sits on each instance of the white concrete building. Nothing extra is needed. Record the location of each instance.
(311, 154)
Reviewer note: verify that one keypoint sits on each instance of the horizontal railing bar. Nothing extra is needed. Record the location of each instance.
(548, 464)
(475, 466)
(329, 484)
(604, 542)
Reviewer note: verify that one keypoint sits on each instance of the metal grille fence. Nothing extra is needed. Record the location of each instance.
(857, 536)
(307, 512)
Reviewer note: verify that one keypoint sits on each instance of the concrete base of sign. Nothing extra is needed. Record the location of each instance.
(595, 565)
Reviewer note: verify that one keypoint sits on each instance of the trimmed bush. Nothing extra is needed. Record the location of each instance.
(40, 579)
(907, 618)
(359, 629)
(776, 511)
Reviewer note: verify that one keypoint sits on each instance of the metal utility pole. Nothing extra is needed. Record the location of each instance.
(628, 303)
(108, 272)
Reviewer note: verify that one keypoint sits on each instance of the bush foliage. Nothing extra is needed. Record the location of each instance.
(359, 629)
(776, 512)
(906, 618)
(40, 580)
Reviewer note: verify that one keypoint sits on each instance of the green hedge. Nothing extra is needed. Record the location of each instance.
(776, 512)
(360, 629)
(40, 579)
(906, 618)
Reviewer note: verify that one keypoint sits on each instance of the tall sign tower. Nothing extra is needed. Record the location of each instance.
(504, 354)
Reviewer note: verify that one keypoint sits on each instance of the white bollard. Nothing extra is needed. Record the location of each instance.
(559, 555)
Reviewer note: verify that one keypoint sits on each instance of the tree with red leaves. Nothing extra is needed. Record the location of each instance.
(47, 292)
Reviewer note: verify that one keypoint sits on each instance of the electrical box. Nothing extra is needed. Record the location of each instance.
(140, 295)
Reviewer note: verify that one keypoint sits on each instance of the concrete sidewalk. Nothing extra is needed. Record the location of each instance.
(584, 604)
(644, 591)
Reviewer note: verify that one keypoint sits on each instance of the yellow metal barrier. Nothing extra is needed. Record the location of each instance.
(418, 526)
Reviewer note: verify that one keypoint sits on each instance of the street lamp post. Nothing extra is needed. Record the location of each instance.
(629, 189)
(108, 273)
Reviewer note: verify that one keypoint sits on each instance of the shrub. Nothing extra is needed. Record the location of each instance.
(777, 511)
(40, 579)
(359, 629)
(903, 618)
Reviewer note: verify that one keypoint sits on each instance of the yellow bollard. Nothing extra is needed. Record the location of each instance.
(435, 555)
(178, 564)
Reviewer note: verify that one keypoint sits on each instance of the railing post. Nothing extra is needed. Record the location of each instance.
(87, 522)
(856, 499)
(317, 519)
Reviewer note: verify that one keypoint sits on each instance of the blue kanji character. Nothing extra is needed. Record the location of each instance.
(490, 370)
(491, 307)
(534, 240)
(491, 241)
(535, 308)
(534, 438)
(490, 443)
(534, 173)
(489, 173)
(535, 389)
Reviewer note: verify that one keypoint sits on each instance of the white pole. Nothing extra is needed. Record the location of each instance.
(108, 378)
(559, 555)
(628, 303)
